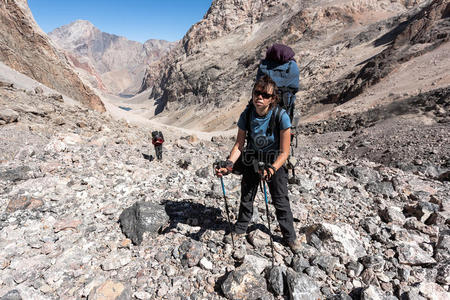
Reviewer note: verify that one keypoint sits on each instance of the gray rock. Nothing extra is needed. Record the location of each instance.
(443, 247)
(15, 174)
(374, 262)
(191, 253)
(325, 262)
(372, 293)
(362, 174)
(432, 290)
(299, 264)
(11, 295)
(339, 239)
(413, 294)
(276, 279)
(184, 163)
(315, 241)
(115, 261)
(204, 172)
(206, 264)
(9, 115)
(244, 283)
(422, 210)
(411, 254)
(371, 225)
(404, 273)
(384, 188)
(258, 263)
(142, 217)
(340, 296)
(354, 268)
(305, 184)
(368, 276)
(315, 272)
(301, 286)
(392, 214)
(443, 273)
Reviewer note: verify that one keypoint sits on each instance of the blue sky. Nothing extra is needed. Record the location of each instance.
(137, 20)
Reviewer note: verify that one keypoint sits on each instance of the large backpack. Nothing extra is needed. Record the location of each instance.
(157, 137)
(280, 65)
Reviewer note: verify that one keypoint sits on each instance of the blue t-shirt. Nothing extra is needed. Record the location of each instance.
(258, 126)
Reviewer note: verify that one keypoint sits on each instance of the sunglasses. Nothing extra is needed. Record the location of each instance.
(263, 94)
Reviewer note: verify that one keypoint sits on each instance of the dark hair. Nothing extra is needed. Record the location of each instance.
(265, 83)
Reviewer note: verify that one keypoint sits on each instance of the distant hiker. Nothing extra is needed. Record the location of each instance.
(280, 65)
(266, 127)
(157, 141)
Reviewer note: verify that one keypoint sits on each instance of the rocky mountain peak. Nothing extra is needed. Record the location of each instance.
(224, 16)
(109, 62)
(25, 48)
(75, 33)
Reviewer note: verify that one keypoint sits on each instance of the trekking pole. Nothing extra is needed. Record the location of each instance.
(227, 211)
(261, 166)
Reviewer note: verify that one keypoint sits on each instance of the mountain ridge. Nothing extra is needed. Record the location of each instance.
(116, 64)
(332, 39)
(24, 47)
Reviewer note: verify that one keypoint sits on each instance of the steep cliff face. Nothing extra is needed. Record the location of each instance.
(25, 48)
(224, 17)
(419, 34)
(119, 62)
(334, 41)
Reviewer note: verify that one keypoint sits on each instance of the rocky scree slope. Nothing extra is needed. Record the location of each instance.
(25, 48)
(353, 55)
(72, 179)
(115, 64)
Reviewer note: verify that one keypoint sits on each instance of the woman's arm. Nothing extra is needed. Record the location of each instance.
(235, 152)
(285, 148)
(237, 148)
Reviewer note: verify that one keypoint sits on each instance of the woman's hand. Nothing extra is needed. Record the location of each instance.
(223, 168)
(268, 172)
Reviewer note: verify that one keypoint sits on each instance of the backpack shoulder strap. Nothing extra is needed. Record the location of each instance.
(275, 120)
(248, 116)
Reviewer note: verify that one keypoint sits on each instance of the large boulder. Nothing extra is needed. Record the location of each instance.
(339, 239)
(245, 283)
(142, 217)
(301, 286)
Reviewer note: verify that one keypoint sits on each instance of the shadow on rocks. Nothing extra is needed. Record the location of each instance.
(218, 285)
(160, 105)
(148, 157)
(194, 215)
(263, 227)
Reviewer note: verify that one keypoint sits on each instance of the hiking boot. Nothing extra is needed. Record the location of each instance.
(238, 238)
(295, 246)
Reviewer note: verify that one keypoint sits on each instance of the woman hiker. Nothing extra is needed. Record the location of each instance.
(269, 146)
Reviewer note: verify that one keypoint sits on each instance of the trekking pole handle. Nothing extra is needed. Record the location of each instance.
(261, 166)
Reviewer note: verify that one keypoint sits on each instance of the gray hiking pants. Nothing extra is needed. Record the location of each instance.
(279, 193)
